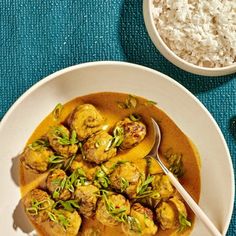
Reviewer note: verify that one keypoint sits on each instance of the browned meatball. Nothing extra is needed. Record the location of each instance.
(87, 197)
(133, 132)
(62, 142)
(140, 221)
(37, 203)
(163, 186)
(64, 223)
(85, 120)
(98, 148)
(167, 215)
(125, 179)
(111, 209)
(55, 185)
(37, 158)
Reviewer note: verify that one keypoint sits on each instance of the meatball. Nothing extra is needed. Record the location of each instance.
(125, 179)
(163, 186)
(133, 132)
(88, 168)
(87, 197)
(61, 141)
(98, 148)
(37, 203)
(179, 205)
(173, 214)
(140, 221)
(167, 215)
(55, 185)
(64, 223)
(111, 209)
(36, 158)
(85, 120)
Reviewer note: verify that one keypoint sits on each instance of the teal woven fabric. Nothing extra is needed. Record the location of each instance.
(40, 37)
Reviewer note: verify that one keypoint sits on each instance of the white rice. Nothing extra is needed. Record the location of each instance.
(202, 32)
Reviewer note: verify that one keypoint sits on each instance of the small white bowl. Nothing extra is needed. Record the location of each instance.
(170, 55)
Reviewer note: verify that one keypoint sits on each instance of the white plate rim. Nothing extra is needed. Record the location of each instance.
(120, 63)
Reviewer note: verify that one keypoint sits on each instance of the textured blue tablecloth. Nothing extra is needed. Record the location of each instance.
(40, 37)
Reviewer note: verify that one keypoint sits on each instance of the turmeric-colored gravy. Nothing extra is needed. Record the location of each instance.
(172, 137)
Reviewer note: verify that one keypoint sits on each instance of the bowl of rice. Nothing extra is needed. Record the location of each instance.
(197, 36)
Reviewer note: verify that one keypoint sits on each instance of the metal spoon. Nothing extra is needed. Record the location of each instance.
(188, 199)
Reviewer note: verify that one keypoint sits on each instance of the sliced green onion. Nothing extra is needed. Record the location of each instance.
(73, 139)
(38, 144)
(52, 217)
(184, 223)
(57, 111)
(68, 163)
(142, 188)
(69, 205)
(124, 184)
(55, 159)
(32, 211)
(150, 102)
(82, 150)
(131, 102)
(135, 117)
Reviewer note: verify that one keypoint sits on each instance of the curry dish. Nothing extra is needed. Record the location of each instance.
(84, 170)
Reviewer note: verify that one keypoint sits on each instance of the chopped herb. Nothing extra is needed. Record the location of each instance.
(175, 163)
(56, 181)
(73, 139)
(130, 102)
(38, 144)
(105, 169)
(118, 136)
(37, 206)
(124, 184)
(59, 218)
(82, 150)
(69, 205)
(134, 224)
(109, 145)
(135, 117)
(101, 179)
(52, 217)
(56, 159)
(184, 223)
(56, 193)
(32, 211)
(116, 212)
(81, 181)
(57, 111)
(117, 164)
(97, 144)
(63, 138)
(143, 187)
(63, 221)
(77, 174)
(150, 193)
(69, 162)
(149, 102)
(59, 189)
(121, 105)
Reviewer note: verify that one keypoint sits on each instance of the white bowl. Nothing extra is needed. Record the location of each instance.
(170, 55)
(217, 191)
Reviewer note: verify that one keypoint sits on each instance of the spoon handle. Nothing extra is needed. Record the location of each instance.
(194, 206)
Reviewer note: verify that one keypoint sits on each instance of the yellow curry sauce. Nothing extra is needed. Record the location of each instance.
(172, 138)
